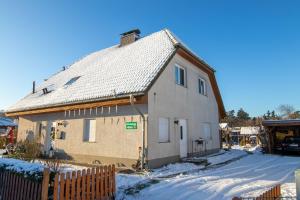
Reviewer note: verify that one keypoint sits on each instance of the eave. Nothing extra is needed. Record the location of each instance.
(142, 99)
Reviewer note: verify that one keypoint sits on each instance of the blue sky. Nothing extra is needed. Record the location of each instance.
(253, 45)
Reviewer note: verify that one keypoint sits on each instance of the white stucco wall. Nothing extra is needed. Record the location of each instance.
(167, 99)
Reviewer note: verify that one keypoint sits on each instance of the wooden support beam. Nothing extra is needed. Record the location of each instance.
(124, 101)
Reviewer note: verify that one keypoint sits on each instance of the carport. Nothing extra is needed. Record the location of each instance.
(277, 130)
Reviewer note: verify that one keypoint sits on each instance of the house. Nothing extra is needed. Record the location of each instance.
(6, 123)
(246, 134)
(224, 126)
(277, 130)
(146, 98)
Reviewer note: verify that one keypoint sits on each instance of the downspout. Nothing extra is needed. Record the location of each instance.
(143, 130)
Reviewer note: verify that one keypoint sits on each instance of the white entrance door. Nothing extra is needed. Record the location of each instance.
(183, 138)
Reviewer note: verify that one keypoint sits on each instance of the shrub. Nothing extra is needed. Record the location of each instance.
(31, 171)
(2, 142)
(27, 150)
(54, 165)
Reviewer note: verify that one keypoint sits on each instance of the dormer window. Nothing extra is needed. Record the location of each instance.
(72, 80)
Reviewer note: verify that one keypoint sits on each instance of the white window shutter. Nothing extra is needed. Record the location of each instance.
(92, 131)
(207, 131)
(163, 130)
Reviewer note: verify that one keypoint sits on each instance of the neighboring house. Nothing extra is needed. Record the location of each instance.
(246, 133)
(224, 126)
(86, 107)
(6, 123)
(250, 130)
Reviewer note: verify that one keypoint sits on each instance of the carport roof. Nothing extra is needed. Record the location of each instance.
(287, 122)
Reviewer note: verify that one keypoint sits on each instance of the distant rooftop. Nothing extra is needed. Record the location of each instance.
(6, 122)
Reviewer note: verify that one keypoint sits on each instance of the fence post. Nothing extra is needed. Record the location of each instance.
(297, 180)
(45, 184)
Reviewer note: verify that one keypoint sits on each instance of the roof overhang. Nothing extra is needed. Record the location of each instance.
(141, 99)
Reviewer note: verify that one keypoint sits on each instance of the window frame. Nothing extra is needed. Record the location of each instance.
(204, 86)
(86, 130)
(177, 66)
(159, 129)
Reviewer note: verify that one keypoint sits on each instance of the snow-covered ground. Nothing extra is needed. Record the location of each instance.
(229, 173)
(248, 176)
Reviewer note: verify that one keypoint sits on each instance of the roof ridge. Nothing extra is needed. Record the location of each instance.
(172, 36)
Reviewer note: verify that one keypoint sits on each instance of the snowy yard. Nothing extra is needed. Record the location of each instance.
(229, 173)
(248, 176)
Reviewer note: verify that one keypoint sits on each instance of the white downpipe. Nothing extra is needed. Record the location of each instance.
(143, 130)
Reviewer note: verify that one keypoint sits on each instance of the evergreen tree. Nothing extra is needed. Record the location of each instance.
(242, 115)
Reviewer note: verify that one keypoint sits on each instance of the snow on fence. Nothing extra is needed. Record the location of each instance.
(90, 184)
(272, 194)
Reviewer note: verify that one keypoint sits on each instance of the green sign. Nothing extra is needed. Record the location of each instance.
(131, 125)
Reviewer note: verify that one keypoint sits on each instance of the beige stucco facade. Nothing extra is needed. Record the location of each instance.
(167, 99)
(115, 144)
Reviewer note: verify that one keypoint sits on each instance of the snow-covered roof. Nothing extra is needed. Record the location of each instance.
(223, 125)
(116, 71)
(251, 130)
(6, 122)
(103, 74)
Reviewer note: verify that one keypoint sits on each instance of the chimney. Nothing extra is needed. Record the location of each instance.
(33, 87)
(129, 37)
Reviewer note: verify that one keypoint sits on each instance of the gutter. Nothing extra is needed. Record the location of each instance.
(143, 130)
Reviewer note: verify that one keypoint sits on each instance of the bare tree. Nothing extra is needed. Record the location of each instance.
(286, 110)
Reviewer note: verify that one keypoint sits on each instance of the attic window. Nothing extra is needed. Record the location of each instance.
(72, 80)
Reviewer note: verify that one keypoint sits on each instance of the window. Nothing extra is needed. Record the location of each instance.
(207, 131)
(39, 129)
(61, 135)
(89, 130)
(163, 130)
(72, 80)
(202, 86)
(180, 75)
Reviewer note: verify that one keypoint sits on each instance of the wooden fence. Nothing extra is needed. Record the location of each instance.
(272, 194)
(13, 186)
(91, 184)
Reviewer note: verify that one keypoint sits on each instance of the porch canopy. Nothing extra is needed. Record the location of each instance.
(277, 130)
